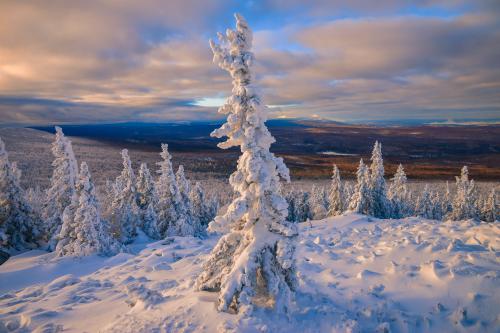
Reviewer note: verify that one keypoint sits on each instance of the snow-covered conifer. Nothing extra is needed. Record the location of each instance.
(62, 186)
(489, 211)
(83, 232)
(446, 202)
(377, 203)
(361, 196)
(167, 192)
(318, 203)
(437, 206)
(254, 263)
(20, 227)
(187, 224)
(423, 205)
(398, 194)
(336, 198)
(302, 206)
(463, 206)
(145, 201)
(123, 211)
(201, 208)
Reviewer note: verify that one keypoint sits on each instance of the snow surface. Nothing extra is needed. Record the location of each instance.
(356, 274)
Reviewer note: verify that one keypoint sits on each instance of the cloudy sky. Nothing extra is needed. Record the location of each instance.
(359, 60)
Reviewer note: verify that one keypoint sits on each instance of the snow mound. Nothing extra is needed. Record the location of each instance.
(356, 274)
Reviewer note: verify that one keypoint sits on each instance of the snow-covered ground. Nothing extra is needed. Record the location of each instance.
(356, 274)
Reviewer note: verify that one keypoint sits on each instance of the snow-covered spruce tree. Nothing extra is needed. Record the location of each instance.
(302, 206)
(378, 203)
(463, 206)
(186, 207)
(489, 211)
(83, 232)
(20, 227)
(35, 198)
(62, 186)
(423, 205)
(336, 203)
(252, 265)
(398, 194)
(290, 198)
(446, 202)
(201, 209)
(145, 201)
(123, 217)
(361, 196)
(436, 205)
(318, 203)
(172, 214)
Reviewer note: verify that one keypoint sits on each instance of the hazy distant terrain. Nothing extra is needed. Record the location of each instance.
(311, 147)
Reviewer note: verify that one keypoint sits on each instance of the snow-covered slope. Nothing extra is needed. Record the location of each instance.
(355, 274)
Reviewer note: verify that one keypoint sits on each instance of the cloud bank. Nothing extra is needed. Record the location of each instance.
(95, 61)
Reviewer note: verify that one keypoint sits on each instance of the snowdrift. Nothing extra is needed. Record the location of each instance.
(356, 274)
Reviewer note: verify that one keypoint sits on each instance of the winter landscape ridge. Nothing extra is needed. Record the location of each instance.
(153, 251)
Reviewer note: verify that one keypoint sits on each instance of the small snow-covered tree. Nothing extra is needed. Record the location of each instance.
(83, 232)
(252, 265)
(489, 211)
(361, 195)
(35, 198)
(377, 203)
(167, 192)
(398, 194)
(187, 224)
(446, 206)
(201, 208)
(20, 227)
(463, 206)
(62, 186)
(423, 205)
(336, 199)
(123, 211)
(302, 206)
(145, 201)
(436, 204)
(318, 203)
(290, 198)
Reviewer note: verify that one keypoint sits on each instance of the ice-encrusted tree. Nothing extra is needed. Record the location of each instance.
(83, 232)
(302, 206)
(437, 206)
(318, 203)
(336, 203)
(123, 215)
(252, 265)
(398, 194)
(20, 226)
(361, 196)
(378, 203)
(145, 201)
(62, 186)
(463, 206)
(489, 211)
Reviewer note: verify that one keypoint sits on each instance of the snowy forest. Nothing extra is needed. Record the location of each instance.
(153, 251)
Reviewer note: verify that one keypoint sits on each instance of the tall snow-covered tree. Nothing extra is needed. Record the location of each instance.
(489, 211)
(398, 194)
(463, 206)
(378, 203)
(145, 201)
(83, 232)
(318, 203)
(336, 202)
(62, 186)
(359, 200)
(252, 265)
(437, 206)
(20, 227)
(123, 211)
